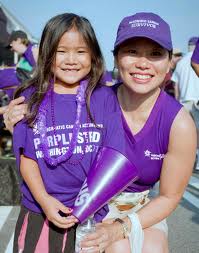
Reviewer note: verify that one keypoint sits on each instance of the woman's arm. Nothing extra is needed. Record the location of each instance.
(3, 109)
(14, 112)
(51, 206)
(176, 171)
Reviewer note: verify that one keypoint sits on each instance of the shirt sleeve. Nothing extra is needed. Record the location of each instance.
(195, 55)
(23, 142)
(113, 128)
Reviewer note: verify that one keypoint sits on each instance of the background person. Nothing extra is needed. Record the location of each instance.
(12, 76)
(168, 84)
(19, 43)
(187, 84)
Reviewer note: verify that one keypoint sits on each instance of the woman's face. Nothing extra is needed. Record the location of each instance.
(142, 64)
(73, 59)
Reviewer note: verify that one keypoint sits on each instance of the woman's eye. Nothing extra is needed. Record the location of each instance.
(156, 54)
(132, 51)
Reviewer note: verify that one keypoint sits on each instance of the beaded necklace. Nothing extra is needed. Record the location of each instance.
(42, 125)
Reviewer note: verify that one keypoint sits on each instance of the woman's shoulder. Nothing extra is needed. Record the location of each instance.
(170, 105)
(184, 123)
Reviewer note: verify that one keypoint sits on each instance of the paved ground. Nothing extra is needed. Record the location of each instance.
(183, 223)
(184, 229)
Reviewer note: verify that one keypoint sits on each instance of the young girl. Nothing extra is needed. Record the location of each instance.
(69, 116)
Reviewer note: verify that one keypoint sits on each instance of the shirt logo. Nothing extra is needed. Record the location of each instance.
(152, 156)
(144, 23)
(35, 129)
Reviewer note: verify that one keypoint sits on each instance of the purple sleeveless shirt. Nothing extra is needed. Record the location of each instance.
(64, 181)
(147, 148)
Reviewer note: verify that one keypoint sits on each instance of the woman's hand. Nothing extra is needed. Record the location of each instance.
(57, 213)
(14, 112)
(106, 233)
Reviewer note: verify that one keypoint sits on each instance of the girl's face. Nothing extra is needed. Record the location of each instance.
(142, 64)
(73, 59)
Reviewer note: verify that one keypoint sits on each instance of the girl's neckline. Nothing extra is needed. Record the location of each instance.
(150, 120)
(64, 96)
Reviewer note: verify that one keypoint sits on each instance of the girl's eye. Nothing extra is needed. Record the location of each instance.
(81, 51)
(61, 51)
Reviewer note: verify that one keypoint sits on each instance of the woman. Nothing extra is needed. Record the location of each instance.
(161, 141)
(161, 134)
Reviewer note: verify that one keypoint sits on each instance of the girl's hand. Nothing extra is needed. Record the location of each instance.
(14, 112)
(54, 209)
(103, 237)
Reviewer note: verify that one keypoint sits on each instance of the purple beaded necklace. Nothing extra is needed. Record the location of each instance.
(42, 125)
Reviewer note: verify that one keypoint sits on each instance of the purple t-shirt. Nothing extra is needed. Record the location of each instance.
(147, 148)
(195, 55)
(65, 181)
(8, 78)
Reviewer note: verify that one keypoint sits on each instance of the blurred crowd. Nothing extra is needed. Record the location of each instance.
(12, 75)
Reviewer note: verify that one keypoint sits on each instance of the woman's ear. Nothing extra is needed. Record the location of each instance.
(169, 67)
(115, 63)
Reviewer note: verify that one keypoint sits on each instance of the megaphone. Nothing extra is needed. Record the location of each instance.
(110, 173)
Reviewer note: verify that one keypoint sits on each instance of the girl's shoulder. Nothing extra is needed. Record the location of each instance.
(104, 92)
(104, 97)
(27, 93)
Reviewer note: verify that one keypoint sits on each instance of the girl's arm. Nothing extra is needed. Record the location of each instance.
(51, 206)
